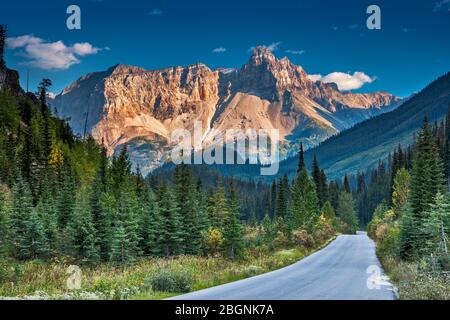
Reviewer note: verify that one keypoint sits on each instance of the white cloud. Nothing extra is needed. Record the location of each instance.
(85, 49)
(271, 47)
(219, 50)
(296, 52)
(315, 77)
(444, 4)
(50, 55)
(344, 81)
(156, 12)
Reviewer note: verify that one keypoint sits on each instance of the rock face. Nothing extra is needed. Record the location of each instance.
(9, 79)
(140, 108)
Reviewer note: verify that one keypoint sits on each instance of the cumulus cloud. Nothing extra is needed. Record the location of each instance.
(219, 50)
(156, 12)
(271, 47)
(344, 81)
(440, 5)
(50, 55)
(296, 52)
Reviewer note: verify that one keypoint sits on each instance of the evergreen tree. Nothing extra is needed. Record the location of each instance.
(189, 209)
(426, 182)
(232, 229)
(120, 171)
(5, 207)
(301, 161)
(219, 210)
(65, 202)
(47, 214)
(346, 185)
(436, 227)
(81, 232)
(328, 211)
(281, 209)
(347, 213)
(104, 226)
(128, 219)
(35, 243)
(171, 231)
(21, 212)
(400, 193)
(305, 209)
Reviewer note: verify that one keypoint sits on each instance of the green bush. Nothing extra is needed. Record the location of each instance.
(171, 280)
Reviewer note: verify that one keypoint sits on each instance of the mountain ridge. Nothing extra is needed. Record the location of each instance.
(141, 108)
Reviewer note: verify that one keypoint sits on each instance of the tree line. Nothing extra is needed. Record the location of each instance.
(414, 222)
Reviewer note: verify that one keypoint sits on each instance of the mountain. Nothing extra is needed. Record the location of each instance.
(140, 108)
(362, 146)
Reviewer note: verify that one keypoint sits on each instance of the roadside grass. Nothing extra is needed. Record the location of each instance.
(413, 284)
(48, 280)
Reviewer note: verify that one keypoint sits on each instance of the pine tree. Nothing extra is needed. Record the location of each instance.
(34, 243)
(104, 226)
(5, 208)
(347, 213)
(120, 171)
(47, 213)
(273, 199)
(80, 231)
(301, 161)
(129, 220)
(426, 182)
(171, 231)
(21, 212)
(65, 202)
(149, 223)
(219, 210)
(281, 209)
(232, 229)
(328, 211)
(436, 227)
(189, 211)
(119, 252)
(346, 185)
(400, 193)
(305, 209)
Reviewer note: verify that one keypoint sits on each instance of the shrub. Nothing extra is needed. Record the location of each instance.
(302, 238)
(171, 280)
(281, 240)
(212, 241)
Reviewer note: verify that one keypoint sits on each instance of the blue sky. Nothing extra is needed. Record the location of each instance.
(410, 50)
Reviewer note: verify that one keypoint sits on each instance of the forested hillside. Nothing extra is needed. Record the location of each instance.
(412, 226)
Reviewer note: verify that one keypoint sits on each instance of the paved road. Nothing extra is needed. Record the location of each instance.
(337, 272)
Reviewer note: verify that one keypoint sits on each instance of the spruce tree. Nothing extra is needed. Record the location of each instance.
(171, 231)
(47, 213)
(104, 226)
(20, 216)
(347, 213)
(436, 227)
(219, 210)
(80, 231)
(35, 243)
(305, 208)
(281, 209)
(5, 208)
(232, 229)
(301, 161)
(426, 182)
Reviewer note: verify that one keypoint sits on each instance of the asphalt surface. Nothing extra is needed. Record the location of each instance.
(347, 269)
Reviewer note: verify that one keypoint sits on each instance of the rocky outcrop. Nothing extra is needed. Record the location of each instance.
(130, 105)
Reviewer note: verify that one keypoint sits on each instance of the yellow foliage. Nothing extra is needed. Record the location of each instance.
(56, 157)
